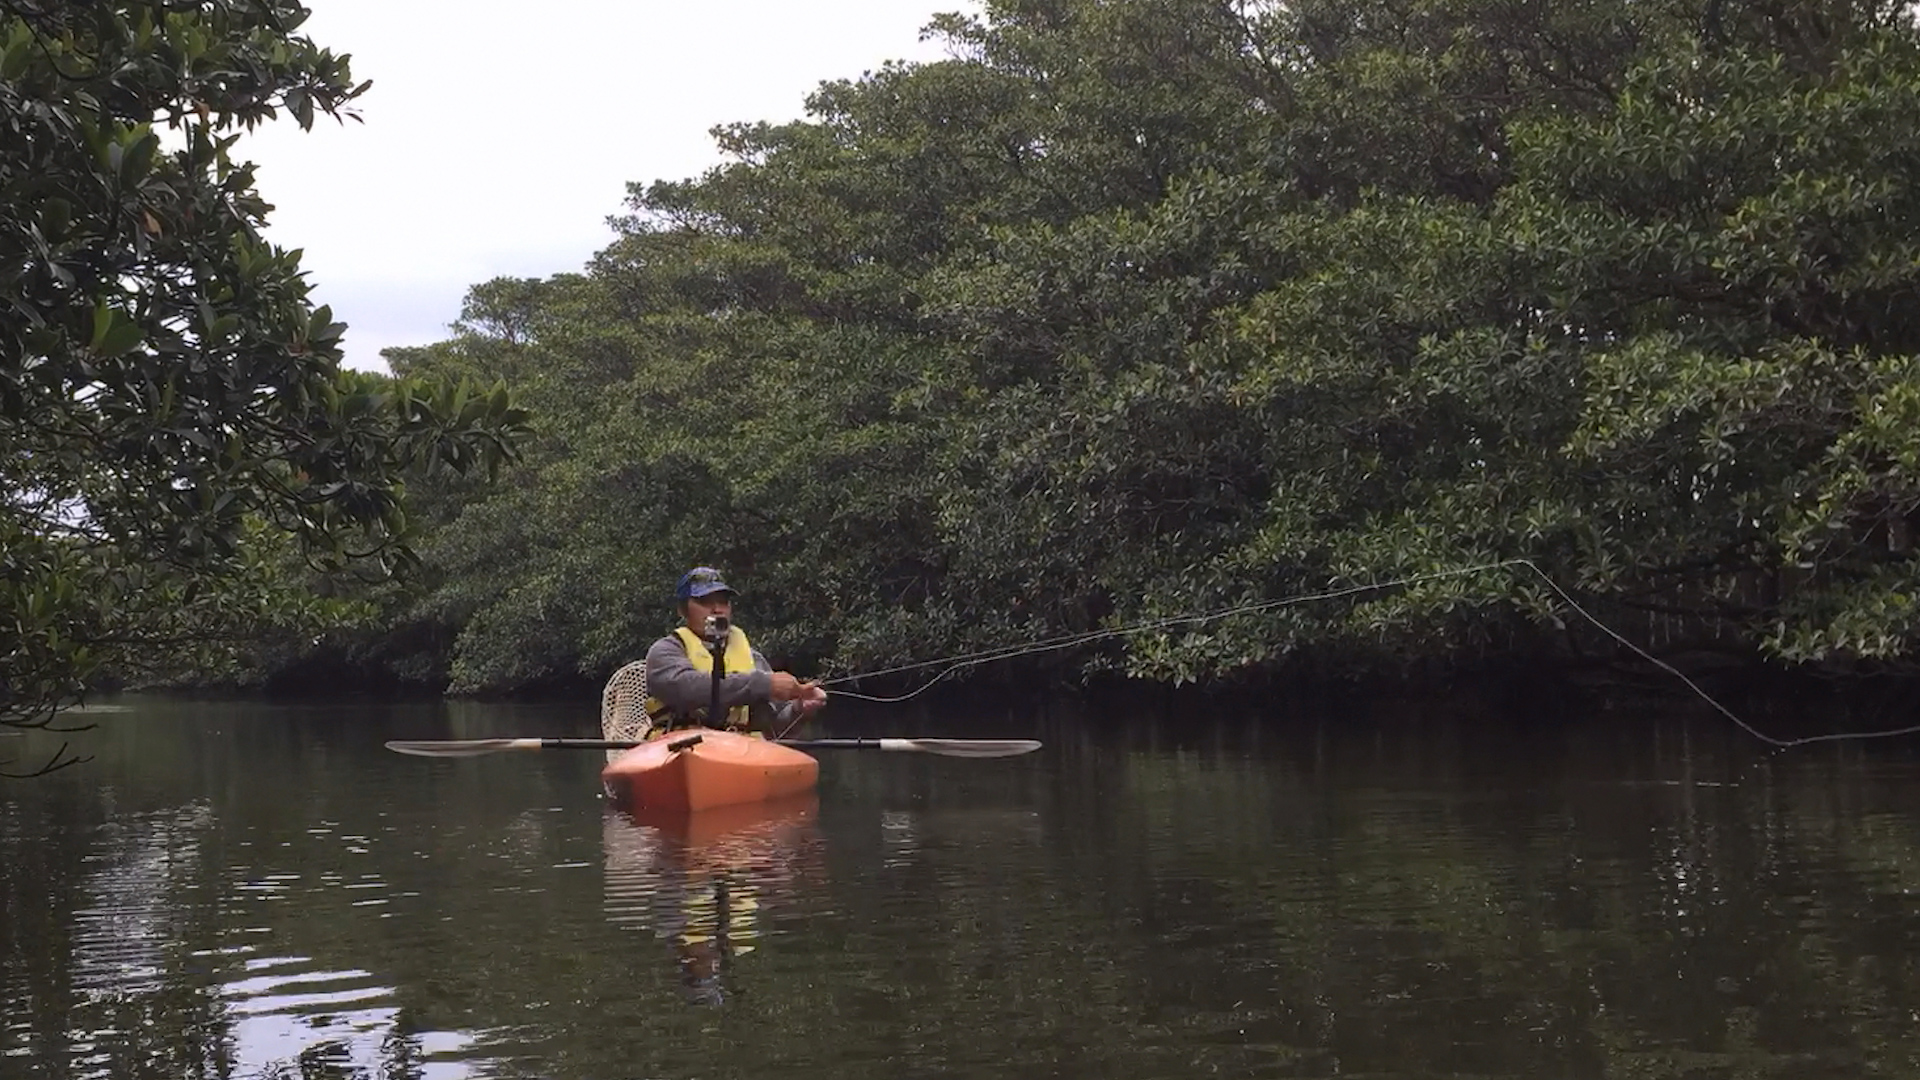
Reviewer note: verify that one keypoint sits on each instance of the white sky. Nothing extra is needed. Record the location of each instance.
(499, 137)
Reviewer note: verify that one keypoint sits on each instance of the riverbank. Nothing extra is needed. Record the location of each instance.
(1781, 702)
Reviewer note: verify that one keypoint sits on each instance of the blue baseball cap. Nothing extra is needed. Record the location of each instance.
(701, 581)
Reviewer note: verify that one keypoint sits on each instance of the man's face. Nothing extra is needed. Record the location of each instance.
(701, 608)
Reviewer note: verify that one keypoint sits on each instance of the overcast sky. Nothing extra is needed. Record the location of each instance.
(499, 137)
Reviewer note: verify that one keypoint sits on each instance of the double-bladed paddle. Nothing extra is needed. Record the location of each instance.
(962, 748)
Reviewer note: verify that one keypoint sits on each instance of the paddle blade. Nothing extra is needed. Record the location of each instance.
(965, 748)
(460, 747)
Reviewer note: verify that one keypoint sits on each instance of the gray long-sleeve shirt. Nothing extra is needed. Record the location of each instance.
(688, 691)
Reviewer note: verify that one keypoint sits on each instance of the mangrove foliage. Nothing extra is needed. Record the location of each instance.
(1130, 310)
(1135, 309)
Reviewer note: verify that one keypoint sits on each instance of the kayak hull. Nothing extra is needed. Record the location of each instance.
(699, 770)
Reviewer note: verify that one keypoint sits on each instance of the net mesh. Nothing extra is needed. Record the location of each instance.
(623, 706)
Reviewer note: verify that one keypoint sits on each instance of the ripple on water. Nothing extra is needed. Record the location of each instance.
(290, 1012)
(363, 1041)
(1162, 920)
(142, 868)
(302, 991)
(142, 890)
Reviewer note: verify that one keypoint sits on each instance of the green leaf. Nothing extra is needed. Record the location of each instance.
(103, 319)
(122, 337)
(300, 103)
(14, 60)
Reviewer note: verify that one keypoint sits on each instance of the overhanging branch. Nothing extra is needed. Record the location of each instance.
(61, 759)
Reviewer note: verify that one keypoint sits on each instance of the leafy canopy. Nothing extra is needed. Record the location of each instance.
(175, 427)
(1136, 309)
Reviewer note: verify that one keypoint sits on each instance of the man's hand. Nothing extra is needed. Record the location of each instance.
(812, 697)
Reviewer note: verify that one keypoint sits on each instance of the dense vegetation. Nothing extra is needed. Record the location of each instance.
(1145, 308)
(1142, 308)
(180, 451)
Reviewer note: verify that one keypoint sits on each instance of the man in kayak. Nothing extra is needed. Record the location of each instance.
(680, 668)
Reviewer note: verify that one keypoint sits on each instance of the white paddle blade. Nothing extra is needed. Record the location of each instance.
(966, 748)
(460, 747)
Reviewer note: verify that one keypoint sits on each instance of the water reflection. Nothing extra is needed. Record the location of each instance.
(251, 892)
(167, 968)
(697, 881)
(132, 884)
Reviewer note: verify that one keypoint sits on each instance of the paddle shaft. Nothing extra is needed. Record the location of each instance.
(628, 744)
(692, 737)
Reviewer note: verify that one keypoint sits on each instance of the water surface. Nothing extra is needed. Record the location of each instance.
(251, 890)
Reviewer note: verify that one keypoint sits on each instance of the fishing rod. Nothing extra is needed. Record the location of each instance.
(960, 662)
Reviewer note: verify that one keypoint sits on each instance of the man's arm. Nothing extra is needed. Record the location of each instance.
(774, 714)
(672, 678)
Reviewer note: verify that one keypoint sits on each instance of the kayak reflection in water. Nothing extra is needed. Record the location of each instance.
(698, 882)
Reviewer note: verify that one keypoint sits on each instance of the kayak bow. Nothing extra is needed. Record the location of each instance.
(706, 769)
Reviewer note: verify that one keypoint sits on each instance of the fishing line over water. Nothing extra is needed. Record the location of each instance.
(952, 664)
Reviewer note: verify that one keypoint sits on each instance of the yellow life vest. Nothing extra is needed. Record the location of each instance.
(739, 658)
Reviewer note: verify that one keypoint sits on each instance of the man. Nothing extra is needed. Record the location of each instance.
(680, 668)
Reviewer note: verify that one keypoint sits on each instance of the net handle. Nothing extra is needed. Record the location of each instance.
(623, 706)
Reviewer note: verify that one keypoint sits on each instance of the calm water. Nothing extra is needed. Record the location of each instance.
(239, 890)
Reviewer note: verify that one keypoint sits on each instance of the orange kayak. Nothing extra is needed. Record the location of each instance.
(701, 769)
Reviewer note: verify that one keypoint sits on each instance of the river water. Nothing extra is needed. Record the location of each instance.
(251, 890)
